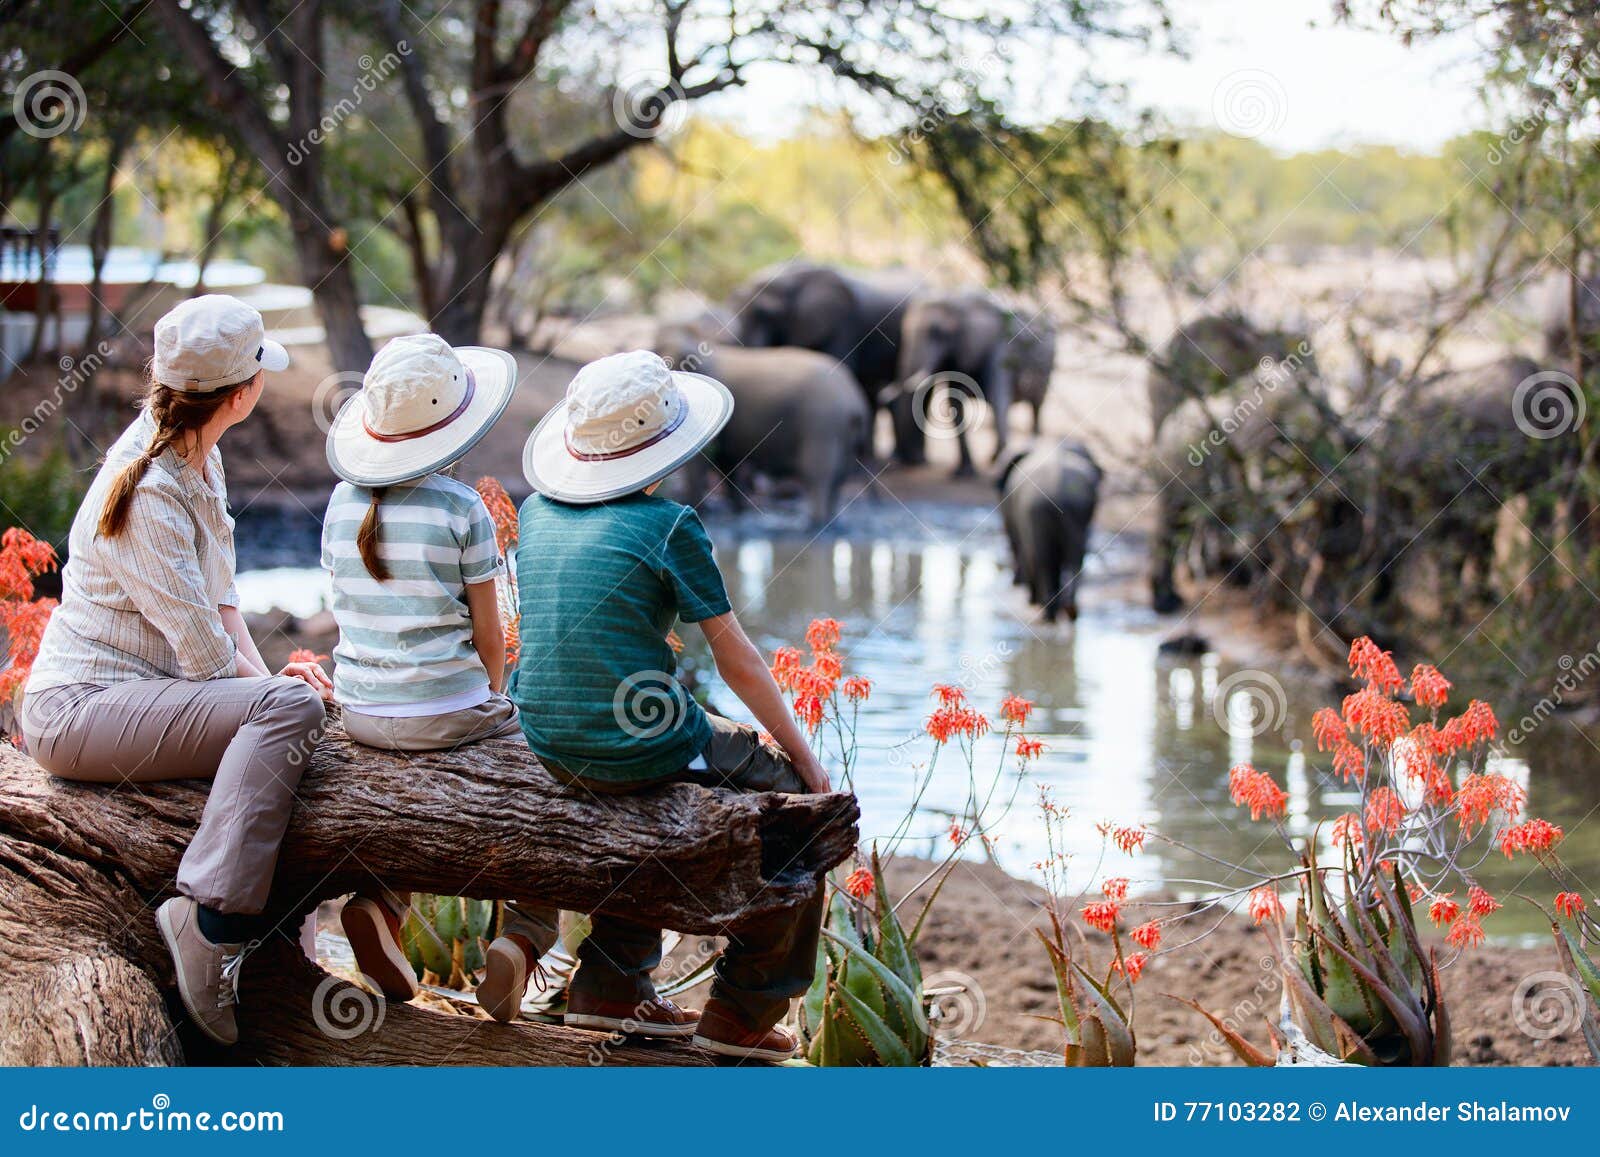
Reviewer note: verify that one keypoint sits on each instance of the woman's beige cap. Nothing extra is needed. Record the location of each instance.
(627, 420)
(423, 404)
(212, 342)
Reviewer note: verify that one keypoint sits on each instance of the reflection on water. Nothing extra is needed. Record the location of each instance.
(1133, 736)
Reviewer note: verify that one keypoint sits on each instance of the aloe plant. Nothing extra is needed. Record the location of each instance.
(1098, 1032)
(866, 1004)
(444, 937)
(1357, 978)
(1578, 964)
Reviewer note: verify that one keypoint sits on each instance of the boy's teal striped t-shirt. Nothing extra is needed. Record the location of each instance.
(600, 586)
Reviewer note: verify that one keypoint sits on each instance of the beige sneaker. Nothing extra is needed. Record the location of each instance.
(508, 964)
(208, 974)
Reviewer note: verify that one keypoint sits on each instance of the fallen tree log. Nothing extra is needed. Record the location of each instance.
(84, 978)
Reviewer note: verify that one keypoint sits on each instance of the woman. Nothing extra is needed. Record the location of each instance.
(147, 670)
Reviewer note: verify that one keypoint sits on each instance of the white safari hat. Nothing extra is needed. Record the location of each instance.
(627, 421)
(423, 404)
(212, 342)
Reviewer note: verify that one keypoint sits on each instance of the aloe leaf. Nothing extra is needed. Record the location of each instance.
(1582, 966)
(1120, 1045)
(1242, 1048)
(1408, 1016)
(893, 947)
(895, 988)
(1066, 995)
(1323, 1027)
(891, 1050)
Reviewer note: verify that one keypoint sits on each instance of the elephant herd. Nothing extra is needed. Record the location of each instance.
(1348, 502)
(1263, 467)
(817, 353)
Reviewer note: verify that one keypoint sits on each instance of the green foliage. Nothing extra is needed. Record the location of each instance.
(39, 492)
(865, 1006)
(444, 937)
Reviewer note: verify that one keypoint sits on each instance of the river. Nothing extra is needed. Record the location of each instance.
(1132, 735)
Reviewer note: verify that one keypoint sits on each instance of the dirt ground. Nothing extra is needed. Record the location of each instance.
(982, 927)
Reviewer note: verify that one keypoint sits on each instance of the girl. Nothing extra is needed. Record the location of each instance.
(147, 671)
(420, 663)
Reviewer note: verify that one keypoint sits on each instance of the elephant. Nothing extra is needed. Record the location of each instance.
(1031, 354)
(855, 318)
(798, 416)
(1210, 353)
(1047, 500)
(1463, 445)
(1223, 466)
(970, 344)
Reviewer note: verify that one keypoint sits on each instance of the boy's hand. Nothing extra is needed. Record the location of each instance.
(813, 775)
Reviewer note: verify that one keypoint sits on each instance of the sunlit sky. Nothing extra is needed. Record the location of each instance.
(1280, 71)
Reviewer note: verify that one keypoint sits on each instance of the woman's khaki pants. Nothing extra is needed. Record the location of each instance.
(252, 738)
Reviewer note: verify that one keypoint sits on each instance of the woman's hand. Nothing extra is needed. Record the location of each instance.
(312, 674)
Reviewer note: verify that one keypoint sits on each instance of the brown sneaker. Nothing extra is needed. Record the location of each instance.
(656, 1017)
(723, 1034)
(508, 964)
(373, 929)
(208, 974)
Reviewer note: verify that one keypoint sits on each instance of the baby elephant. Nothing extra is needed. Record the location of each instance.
(1048, 495)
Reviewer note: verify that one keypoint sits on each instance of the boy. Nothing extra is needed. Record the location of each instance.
(605, 567)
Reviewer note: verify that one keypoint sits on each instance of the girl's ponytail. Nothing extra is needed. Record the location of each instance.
(176, 416)
(367, 539)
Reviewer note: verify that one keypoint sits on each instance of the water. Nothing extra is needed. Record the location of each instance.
(1133, 736)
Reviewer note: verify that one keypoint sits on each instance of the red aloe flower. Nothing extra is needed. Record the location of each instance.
(1443, 910)
(1265, 904)
(1254, 789)
(1148, 935)
(1102, 914)
(1569, 904)
(1015, 709)
(1428, 687)
(859, 883)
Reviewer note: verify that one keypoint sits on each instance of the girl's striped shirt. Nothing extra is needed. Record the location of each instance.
(405, 644)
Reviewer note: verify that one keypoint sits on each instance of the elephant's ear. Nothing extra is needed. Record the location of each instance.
(824, 304)
(1006, 463)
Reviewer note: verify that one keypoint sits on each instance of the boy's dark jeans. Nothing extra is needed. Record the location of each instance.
(769, 961)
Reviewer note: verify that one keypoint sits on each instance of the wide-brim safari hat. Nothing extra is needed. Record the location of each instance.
(422, 405)
(628, 420)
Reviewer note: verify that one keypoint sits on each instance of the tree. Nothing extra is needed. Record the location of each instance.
(286, 137)
(490, 166)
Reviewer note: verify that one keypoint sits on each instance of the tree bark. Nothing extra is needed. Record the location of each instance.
(84, 978)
